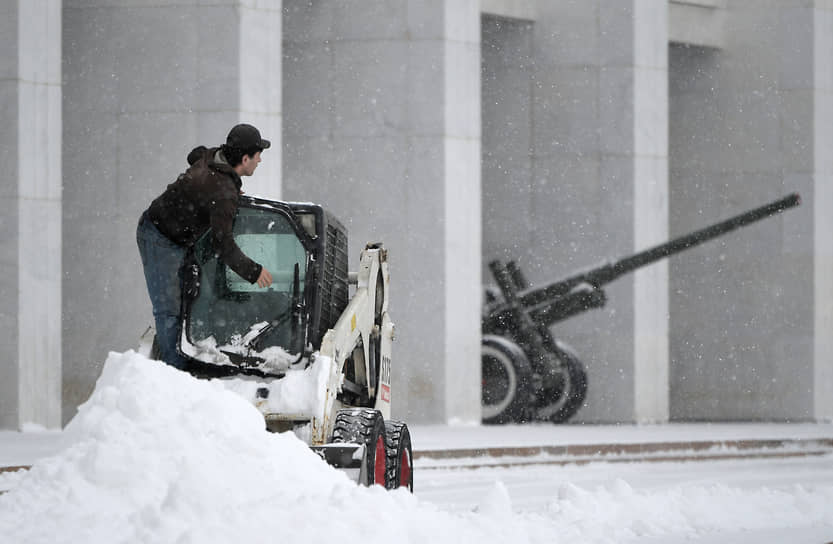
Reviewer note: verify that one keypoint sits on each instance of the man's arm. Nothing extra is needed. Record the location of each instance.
(265, 278)
(222, 220)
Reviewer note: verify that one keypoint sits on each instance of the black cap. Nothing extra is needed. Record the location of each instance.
(245, 137)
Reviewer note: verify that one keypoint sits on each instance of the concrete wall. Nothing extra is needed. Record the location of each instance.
(507, 90)
(701, 23)
(575, 167)
(575, 171)
(743, 132)
(143, 86)
(583, 201)
(382, 126)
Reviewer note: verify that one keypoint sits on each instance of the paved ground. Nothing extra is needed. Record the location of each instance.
(441, 446)
(437, 446)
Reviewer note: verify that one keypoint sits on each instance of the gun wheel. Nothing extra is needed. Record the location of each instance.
(506, 381)
(558, 404)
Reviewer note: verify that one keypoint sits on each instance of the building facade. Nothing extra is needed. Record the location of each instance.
(553, 133)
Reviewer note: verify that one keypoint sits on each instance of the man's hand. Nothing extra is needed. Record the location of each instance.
(265, 278)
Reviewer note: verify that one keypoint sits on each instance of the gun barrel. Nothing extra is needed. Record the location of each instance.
(698, 237)
(612, 270)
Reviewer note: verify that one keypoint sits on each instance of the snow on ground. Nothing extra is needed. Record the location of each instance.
(158, 456)
(753, 500)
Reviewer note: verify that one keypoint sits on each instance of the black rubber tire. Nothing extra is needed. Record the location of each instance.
(558, 406)
(507, 387)
(400, 456)
(365, 426)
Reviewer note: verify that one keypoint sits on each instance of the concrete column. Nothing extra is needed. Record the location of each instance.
(10, 202)
(462, 150)
(259, 79)
(382, 126)
(823, 211)
(650, 118)
(144, 85)
(30, 289)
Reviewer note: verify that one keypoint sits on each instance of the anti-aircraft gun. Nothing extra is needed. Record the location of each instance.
(528, 374)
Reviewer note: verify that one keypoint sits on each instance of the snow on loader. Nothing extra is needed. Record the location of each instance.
(317, 360)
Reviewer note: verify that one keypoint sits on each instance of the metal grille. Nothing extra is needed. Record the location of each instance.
(334, 288)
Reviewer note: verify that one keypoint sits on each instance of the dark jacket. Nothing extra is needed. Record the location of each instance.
(204, 196)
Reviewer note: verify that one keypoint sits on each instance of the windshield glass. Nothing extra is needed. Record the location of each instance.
(229, 312)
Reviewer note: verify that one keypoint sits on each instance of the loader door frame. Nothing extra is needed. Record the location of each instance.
(307, 295)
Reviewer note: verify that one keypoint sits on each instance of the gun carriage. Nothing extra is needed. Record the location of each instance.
(530, 375)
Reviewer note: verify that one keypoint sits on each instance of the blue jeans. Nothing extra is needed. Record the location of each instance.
(162, 262)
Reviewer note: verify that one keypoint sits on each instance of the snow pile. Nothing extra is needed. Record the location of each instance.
(158, 456)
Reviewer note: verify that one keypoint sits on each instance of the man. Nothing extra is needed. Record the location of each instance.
(202, 197)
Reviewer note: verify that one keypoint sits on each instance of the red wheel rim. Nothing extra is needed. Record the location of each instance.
(379, 460)
(405, 470)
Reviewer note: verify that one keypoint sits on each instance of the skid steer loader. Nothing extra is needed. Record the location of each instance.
(317, 321)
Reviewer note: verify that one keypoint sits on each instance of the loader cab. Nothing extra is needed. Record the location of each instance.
(231, 324)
